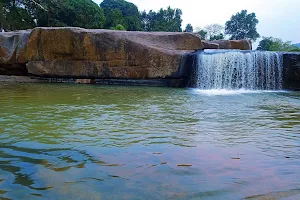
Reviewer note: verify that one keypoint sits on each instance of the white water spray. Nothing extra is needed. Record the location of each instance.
(233, 70)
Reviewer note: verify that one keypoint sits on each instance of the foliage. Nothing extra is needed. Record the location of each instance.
(189, 28)
(14, 16)
(87, 14)
(82, 13)
(121, 12)
(214, 31)
(113, 17)
(22, 14)
(203, 34)
(217, 37)
(168, 20)
(276, 44)
(242, 26)
(119, 27)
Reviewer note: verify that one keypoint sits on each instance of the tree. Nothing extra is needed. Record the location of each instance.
(168, 20)
(24, 14)
(265, 44)
(51, 12)
(81, 13)
(189, 28)
(203, 34)
(214, 31)
(119, 27)
(87, 14)
(113, 17)
(276, 44)
(242, 26)
(217, 37)
(15, 16)
(130, 18)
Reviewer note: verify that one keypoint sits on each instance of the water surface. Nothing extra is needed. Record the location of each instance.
(101, 142)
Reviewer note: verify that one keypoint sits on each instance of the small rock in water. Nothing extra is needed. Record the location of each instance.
(184, 165)
(163, 163)
(235, 158)
(157, 153)
(115, 165)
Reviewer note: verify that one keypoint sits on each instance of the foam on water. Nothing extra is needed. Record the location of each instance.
(216, 92)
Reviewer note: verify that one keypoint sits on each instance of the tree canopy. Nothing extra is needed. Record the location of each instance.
(24, 14)
(14, 15)
(276, 44)
(214, 32)
(189, 28)
(168, 20)
(242, 26)
(123, 13)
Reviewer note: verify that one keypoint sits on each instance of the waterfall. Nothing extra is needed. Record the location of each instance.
(233, 69)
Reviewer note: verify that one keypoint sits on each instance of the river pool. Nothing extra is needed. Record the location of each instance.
(65, 141)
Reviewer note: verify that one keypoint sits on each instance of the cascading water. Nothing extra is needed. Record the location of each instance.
(232, 70)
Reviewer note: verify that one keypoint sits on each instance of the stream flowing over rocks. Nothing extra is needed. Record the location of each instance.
(66, 54)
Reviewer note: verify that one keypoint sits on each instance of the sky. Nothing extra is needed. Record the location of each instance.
(277, 18)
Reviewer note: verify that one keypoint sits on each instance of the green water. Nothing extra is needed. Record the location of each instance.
(99, 142)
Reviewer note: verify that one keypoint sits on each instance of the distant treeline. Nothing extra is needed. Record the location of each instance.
(111, 14)
(123, 15)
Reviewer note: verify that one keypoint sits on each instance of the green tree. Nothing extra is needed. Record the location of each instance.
(15, 16)
(119, 27)
(242, 26)
(51, 12)
(203, 34)
(265, 44)
(168, 20)
(113, 17)
(130, 18)
(276, 44)
(217, 37)
(189, 28)
(81, 13)
(87, 14)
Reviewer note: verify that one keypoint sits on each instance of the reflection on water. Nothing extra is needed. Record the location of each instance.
(94, 142)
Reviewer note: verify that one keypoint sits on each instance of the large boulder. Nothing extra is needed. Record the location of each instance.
(210, 44)
(234, 44)
(82, 53)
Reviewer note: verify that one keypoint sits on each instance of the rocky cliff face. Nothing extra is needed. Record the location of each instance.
(291, 66)
(81, 53)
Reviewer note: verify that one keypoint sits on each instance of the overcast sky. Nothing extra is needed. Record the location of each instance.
(277, 18)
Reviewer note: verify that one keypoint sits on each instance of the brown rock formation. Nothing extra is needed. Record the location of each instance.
(210, 45)
(234, 44)
(82, 53)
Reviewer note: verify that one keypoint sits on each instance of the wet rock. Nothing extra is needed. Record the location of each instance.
(184, 165)
(291, 66)
(85, 81)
